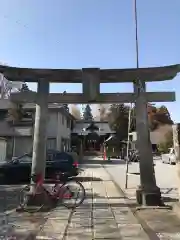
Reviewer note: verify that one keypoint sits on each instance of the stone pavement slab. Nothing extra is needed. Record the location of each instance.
(99, 217)
(157, 223)
(105, 214)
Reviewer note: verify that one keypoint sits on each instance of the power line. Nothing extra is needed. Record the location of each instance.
(140, 87)
(136, 29)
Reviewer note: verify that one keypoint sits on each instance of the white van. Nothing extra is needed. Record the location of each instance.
(170, 157)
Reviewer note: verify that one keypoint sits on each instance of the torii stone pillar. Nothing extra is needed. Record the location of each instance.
(176, 144)
(40, 129)
(148, 192)
(91, 78)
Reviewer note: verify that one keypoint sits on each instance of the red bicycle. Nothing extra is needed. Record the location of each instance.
(69, 192)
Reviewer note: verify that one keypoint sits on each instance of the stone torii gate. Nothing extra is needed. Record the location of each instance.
(91, 78)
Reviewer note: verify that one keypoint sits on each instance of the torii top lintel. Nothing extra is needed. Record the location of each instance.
(105, 75)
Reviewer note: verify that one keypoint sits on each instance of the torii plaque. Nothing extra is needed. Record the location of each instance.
(91, 79)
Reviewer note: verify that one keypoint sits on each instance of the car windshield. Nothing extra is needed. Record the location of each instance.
(51, 156)
(23, 158)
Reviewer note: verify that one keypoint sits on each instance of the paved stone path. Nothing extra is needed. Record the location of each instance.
(105, 214)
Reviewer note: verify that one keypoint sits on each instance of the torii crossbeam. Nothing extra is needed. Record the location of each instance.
(91, 79)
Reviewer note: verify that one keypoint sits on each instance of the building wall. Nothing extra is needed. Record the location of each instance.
(58, 131)
(22, 145)
(3, 145)
(52, 124)
(20, 139)
(63, 132)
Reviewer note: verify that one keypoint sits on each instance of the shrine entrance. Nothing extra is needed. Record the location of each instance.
(148, 193)
(92, 142)
(91, 134)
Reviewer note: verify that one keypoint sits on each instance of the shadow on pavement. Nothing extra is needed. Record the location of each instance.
(9, 197)
(103, 205)
(87, 179)
(96, 161)
(169, 199)
(168, 190)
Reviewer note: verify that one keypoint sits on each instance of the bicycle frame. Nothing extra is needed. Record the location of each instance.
(55, 194)
(52, 194)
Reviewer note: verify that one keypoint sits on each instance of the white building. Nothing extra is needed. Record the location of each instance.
(19, 135)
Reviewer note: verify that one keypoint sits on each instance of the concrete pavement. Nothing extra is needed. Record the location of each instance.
(105, 214)
(158, 223)
(166, 178)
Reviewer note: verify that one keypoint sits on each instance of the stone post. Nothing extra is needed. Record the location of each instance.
(40, 129)
(176, 144)
(91, 83)
(148, 193)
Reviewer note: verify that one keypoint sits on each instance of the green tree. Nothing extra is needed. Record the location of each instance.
(164, 146)
(87, 114)
(25, 88)
(118, 117)
(65, 105)
(158, 116)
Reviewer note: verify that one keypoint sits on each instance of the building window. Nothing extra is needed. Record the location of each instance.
(51, 143)
(65, 144)
(68, 123)
(3, 115)
(9, 148)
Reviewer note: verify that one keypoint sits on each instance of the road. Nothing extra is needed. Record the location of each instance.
(166, 177)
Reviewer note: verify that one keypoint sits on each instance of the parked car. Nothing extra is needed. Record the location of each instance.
(18, 170)
(169, 157)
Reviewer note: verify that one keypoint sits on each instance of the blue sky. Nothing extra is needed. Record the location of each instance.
(92, 33)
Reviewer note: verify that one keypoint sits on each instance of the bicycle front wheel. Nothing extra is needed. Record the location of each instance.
(24, 200)
(72, 194)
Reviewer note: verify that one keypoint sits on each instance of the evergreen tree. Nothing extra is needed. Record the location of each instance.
(25, 88)
(87, 114)
(118, 120)
(65, 105)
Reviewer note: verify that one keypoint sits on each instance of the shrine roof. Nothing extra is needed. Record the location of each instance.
(75, 75)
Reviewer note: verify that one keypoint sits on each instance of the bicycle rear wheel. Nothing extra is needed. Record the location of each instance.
(72, 194)
(24, 198)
